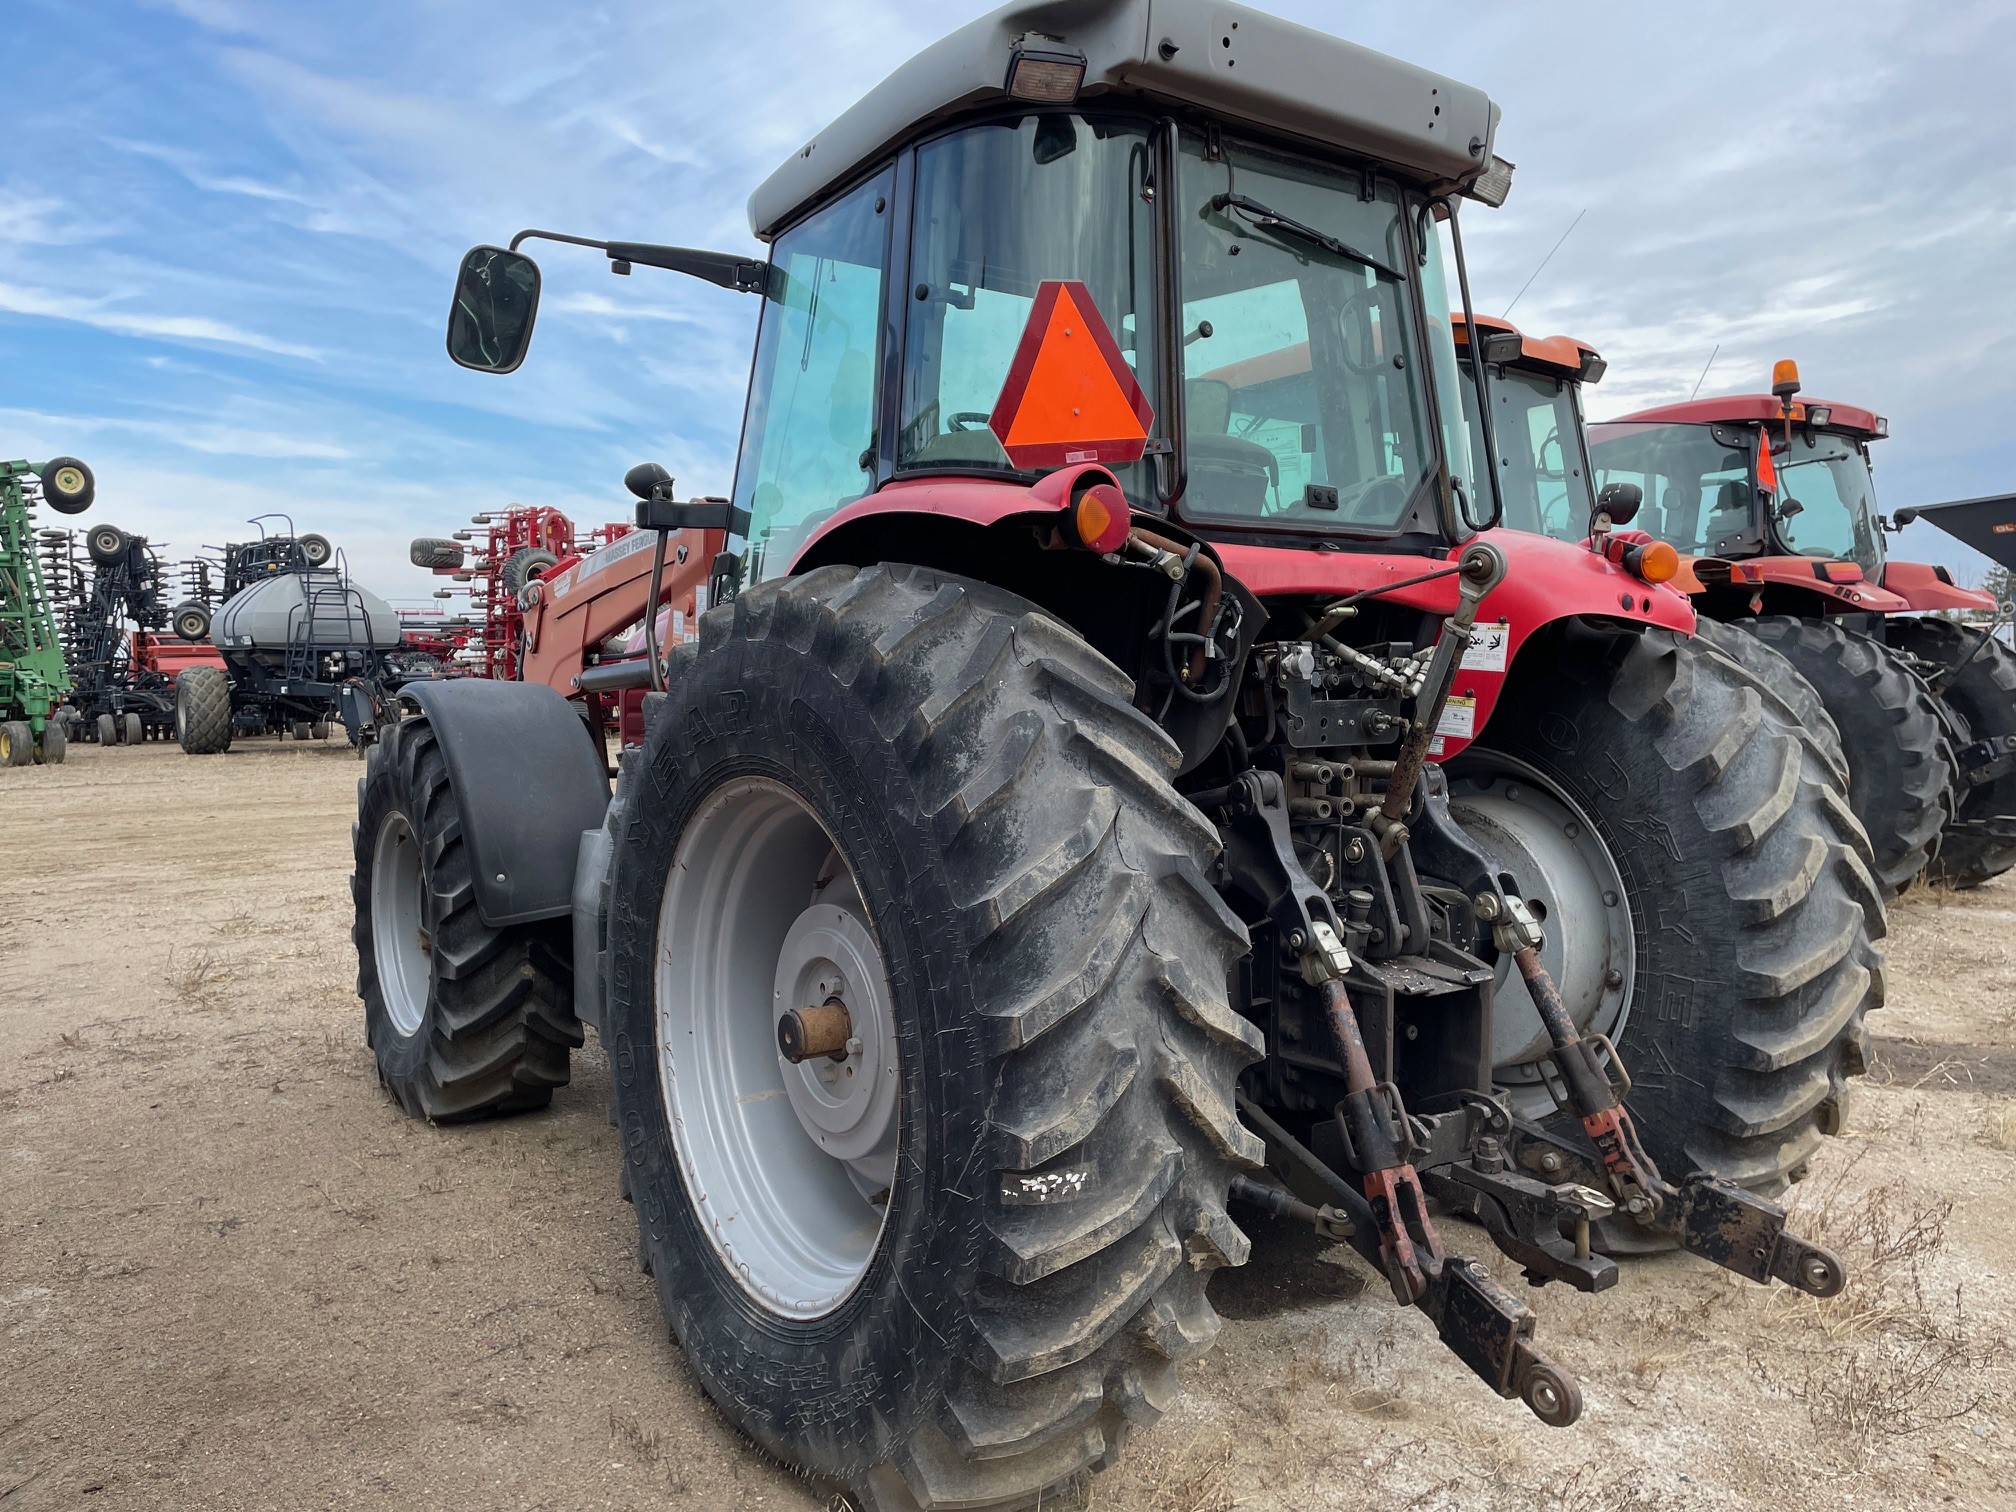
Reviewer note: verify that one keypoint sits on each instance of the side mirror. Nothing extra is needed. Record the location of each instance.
(1620, 501)
(1903, 517)
(646, 479)
(496, 298)
(1790, 508)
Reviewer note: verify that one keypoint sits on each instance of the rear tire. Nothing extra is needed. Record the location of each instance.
(1057, 970)
(1901, 773)
(203, 711)
(1984, 696)
(465, 1020)
(1777, 677)
(1754, 914)
(17, 743)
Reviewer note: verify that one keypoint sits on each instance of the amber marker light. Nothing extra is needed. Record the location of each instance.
(1101, 519)
(1657, 562)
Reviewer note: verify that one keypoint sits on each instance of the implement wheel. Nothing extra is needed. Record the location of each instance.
(1983, 694)
(108, 730)
(465, 1020)
(67, 485)
(55, 744)
(924, 807)
(1706, 895)
(17, 743)
(131, 730)
(1901, 773)
(203, 711)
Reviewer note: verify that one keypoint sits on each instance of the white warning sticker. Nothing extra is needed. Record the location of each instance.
(1486, 651)
(1459, 718)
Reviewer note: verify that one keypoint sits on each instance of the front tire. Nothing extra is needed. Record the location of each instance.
(465, 1020)
(1753, 916)
(1066, 1056)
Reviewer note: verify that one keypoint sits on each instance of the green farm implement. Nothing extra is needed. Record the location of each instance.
(32, 678)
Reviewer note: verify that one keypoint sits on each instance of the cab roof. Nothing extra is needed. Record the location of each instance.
(1559, 354)
(1237, 63)
(1748, 409)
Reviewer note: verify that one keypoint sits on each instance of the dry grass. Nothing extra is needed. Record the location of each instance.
(2000, 1131)
(199, 979)
(1897, 1353)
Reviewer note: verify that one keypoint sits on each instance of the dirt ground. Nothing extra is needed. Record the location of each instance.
(233, 1275)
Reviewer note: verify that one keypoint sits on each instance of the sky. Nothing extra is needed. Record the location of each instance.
(228, 231)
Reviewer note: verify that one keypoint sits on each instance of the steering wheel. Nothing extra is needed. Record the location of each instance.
(968, 420)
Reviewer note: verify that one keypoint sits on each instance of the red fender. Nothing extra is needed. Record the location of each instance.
(1925, 586)
(1842, 582)
(1549, 580)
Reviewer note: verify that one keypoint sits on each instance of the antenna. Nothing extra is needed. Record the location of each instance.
(1544, 261)
(1704, 371)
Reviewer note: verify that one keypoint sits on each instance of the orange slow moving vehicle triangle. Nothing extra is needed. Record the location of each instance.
(1070, 396)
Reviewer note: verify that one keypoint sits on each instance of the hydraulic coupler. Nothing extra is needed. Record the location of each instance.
(1707, 1216)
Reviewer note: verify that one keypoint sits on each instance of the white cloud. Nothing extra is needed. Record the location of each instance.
(103, 315)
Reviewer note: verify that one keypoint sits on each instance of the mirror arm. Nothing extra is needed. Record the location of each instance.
(744, 275)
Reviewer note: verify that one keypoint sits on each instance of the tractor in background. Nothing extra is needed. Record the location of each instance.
(33, 678)
(1770, 501)
(1042, 846)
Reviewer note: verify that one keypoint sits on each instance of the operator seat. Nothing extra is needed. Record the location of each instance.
(1228, 474)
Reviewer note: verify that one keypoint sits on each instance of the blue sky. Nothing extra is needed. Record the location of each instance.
(228, 230)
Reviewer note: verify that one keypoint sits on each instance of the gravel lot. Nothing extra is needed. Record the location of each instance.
(233, 1275)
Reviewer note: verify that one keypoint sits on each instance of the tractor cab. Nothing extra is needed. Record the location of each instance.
(1535, 391)
(1753, 475)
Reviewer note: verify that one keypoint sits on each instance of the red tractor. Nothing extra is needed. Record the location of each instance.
(1041, 845)
(1770, 502)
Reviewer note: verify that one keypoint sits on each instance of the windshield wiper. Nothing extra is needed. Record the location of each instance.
(1265, 219)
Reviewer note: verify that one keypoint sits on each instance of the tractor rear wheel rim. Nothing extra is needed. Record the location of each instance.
(789, 1167)
(1566, 873)
(398, 925)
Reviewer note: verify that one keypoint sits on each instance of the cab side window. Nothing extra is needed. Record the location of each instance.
(809, 436)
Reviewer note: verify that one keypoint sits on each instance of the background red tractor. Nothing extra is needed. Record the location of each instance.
(1771, 502)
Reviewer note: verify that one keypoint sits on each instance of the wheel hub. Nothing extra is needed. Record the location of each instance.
(399, 944)
(1568, 877)
(788, 1163)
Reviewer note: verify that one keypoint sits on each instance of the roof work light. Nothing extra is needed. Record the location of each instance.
(1045, 71)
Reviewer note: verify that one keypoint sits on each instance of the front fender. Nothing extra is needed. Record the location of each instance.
(1547, 580)
(528, 781)
(1925, 586)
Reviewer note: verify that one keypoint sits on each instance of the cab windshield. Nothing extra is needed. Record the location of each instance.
(1827, 476)
(1305, 383)
(1702, 490)
(1537, 422)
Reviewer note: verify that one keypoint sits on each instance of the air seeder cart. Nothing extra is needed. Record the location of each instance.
(33, 680)
(1040, 853)
(302, 643)
(1770, 502)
